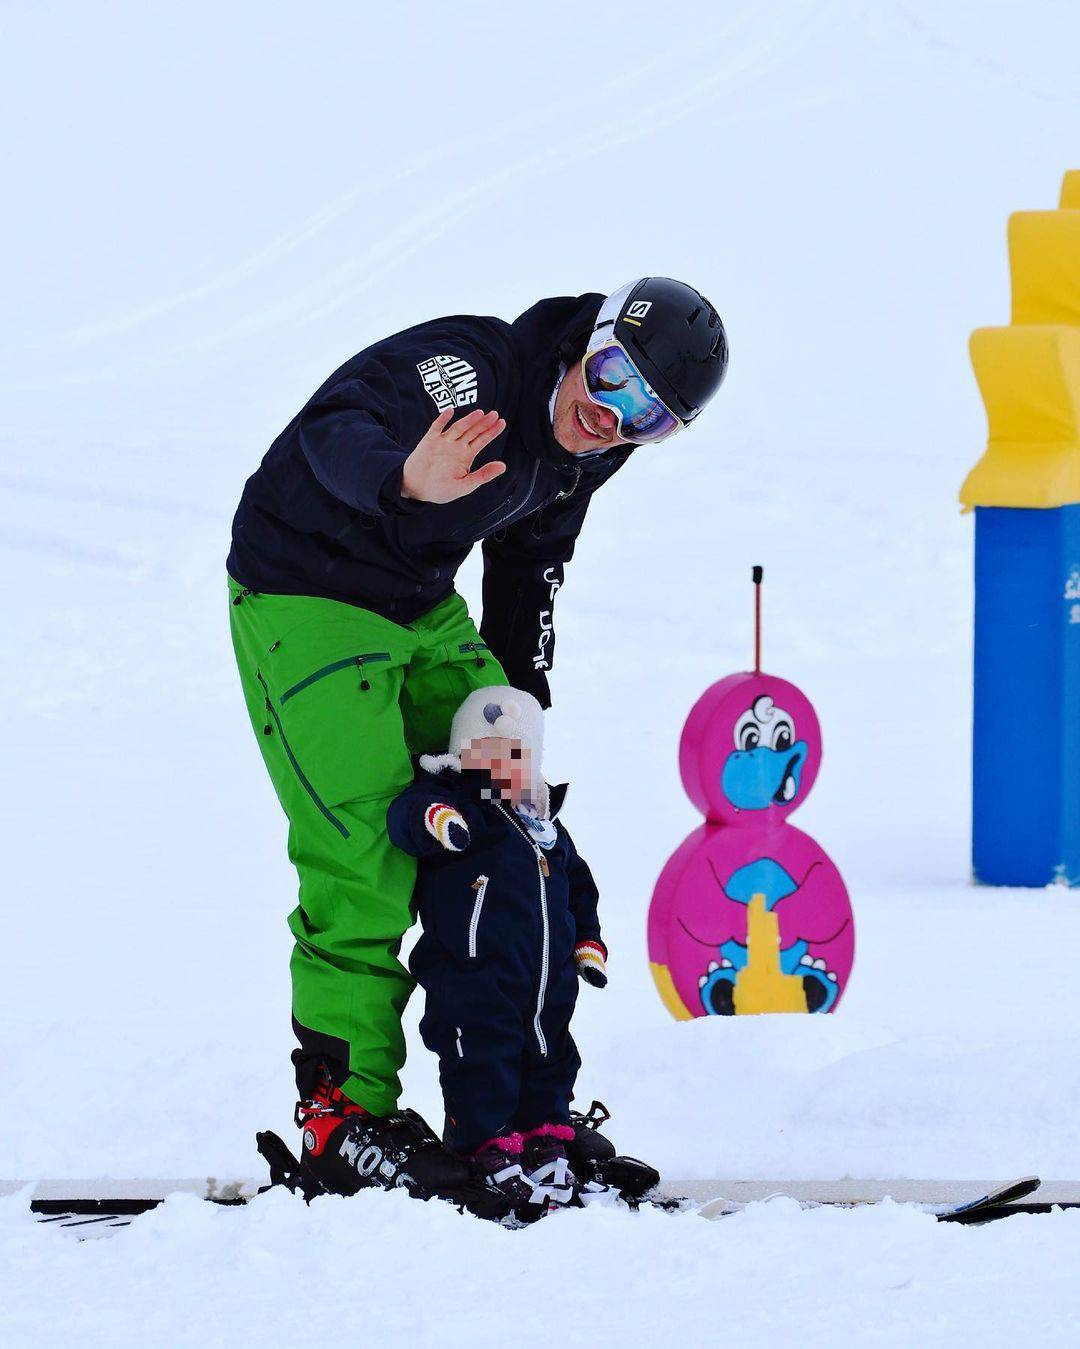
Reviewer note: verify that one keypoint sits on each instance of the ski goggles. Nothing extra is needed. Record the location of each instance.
(613, 380)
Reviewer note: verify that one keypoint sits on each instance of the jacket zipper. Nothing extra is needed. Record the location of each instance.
(480, 885)
(545, 956)
(358, 661)
(490, 528)
(524, 500)
(569, 491)
(296, 767)
(543, 871)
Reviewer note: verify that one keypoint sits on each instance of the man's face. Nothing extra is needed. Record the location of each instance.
(580, 425)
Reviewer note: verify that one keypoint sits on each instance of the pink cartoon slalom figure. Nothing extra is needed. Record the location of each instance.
(749, 914)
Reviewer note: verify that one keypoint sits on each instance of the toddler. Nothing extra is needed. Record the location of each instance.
(508, 909)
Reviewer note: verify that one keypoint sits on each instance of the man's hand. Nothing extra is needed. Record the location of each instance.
(440, 468)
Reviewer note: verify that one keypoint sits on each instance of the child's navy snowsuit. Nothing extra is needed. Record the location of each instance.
(496, 959)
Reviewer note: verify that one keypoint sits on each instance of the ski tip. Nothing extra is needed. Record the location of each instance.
(719, 1208)
(1024, 1186)
(1001, 1196)
(996, 1198)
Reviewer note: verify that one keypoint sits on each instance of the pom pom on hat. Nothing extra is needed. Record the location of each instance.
(511, 714)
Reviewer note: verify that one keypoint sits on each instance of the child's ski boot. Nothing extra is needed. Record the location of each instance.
(547, 1167)
(498, 1165)
(595, 1161)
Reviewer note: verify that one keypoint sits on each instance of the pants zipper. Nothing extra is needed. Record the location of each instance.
(475, 648)
(480, 885)
(333, 819)
(359, 661)
(542, 871)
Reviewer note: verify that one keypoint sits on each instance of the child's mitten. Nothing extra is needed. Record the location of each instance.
(446, 825)
(590, 958)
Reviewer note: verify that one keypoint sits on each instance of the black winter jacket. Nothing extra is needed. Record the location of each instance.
(504, 895)
(324, 515)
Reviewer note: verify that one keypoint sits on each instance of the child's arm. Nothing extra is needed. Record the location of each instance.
(425, 820)
(590, 953)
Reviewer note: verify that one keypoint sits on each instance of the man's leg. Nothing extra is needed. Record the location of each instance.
(322, 682)
(450, 661)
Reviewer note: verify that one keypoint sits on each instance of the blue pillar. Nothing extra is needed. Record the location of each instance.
(1026, 827)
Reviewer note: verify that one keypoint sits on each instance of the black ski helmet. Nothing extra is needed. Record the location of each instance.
(673, 335)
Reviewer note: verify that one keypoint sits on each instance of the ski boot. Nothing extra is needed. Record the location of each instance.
(595, 1162)
(547, 1167)
(345, 1149)
(498, 1165)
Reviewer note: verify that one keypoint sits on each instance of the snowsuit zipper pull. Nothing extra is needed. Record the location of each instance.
(364, 682)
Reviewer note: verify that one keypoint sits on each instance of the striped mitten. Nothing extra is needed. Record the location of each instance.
(446, 825)
(590, 957)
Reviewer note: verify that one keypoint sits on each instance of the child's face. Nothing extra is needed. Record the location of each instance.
(507, 762)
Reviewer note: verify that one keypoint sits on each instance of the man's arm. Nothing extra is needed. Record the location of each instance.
(370, 440)
(351, 435)
(523, 572)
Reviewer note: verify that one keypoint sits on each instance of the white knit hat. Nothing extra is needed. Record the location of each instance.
(499, 711)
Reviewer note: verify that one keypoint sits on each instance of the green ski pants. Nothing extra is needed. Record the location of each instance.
(339, 698)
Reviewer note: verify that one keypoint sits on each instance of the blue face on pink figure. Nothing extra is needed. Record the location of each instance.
(766, 767)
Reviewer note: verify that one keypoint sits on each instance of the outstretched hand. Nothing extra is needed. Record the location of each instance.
(440, 469)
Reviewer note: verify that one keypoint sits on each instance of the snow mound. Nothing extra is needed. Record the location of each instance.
(392, 1271)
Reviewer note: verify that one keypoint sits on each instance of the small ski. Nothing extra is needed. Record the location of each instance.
(987, 1206)
(99, 1208)
(996, 1202)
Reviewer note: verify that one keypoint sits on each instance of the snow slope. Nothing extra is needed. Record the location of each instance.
(209, 208)
(194, 1275)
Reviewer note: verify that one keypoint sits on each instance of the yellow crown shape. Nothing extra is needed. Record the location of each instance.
(1044, 258)
(1029, 377)
(1070, 191)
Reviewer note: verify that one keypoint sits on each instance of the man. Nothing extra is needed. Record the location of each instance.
(354, 648)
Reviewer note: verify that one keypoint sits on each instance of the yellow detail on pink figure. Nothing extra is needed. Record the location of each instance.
(762, 986)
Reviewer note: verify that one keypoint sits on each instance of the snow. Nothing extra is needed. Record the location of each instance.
(279, 1273)
(208, 209)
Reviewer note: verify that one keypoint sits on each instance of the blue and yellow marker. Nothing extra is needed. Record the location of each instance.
(1025, 492)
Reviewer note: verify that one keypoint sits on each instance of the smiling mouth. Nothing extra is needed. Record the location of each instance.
(785, 793)
(585, 426)
(701, 941)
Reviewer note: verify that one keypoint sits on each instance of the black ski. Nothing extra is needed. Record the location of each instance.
(98, 1208)
(994, 1204)
(1000, 1201)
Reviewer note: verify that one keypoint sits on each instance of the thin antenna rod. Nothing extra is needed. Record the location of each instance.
(756, 575)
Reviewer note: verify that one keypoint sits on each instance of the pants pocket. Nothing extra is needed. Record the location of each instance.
(358, 662)
(301, 776)
(342, 718)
